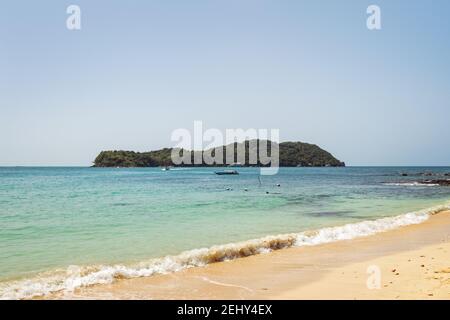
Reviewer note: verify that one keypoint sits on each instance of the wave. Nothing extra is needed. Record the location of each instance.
(76, 277)
(411, 184)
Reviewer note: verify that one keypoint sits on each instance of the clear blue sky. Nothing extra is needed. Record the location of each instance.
(139, 69)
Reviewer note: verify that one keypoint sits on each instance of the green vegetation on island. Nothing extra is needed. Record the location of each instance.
(291, 154)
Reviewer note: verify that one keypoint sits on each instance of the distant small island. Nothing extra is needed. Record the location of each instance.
(292, 154)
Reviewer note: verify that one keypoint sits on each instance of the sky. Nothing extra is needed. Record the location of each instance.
(138, 70)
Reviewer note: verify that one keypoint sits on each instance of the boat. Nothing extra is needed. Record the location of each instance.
(225, 172)
(165, 169)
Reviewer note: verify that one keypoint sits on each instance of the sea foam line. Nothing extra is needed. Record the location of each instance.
(411, 184)
(75, 277)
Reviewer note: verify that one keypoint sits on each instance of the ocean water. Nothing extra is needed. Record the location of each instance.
(61, 228)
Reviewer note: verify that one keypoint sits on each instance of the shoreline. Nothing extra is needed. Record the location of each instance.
(68, 282)
(413, 260)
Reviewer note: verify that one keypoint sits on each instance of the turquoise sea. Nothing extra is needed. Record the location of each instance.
(61, 228)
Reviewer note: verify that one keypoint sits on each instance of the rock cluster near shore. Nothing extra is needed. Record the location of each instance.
(426, 174)
(441, 182)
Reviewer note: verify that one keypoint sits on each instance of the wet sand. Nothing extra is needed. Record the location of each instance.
(413, 263)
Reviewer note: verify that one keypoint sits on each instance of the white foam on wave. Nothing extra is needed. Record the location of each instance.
(411, 184)
(75, 277)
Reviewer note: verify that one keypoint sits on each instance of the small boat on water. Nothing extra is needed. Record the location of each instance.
(165, 168)
(225, 172)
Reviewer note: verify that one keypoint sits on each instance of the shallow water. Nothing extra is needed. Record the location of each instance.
(53, 218)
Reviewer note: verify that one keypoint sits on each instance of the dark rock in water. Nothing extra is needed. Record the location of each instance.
(434, 174)
(426, 174)
(440, 182)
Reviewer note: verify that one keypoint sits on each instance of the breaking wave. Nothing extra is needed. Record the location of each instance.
(411, 184)
(75, 276)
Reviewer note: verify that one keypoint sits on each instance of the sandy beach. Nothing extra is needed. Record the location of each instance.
(412, 262)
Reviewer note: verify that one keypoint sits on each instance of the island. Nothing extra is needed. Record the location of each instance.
(291, 154)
